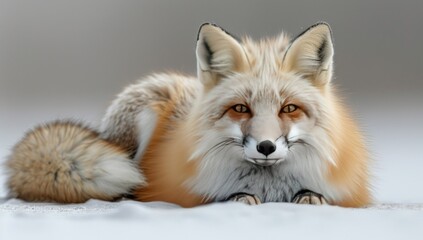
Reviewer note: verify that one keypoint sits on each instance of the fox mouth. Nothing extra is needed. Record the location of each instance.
(265, 162)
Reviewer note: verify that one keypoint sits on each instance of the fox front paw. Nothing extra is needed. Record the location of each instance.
(309, 197)
(246, 198)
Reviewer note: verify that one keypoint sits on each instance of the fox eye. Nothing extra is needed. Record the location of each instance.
(240, 108)
(289, 108)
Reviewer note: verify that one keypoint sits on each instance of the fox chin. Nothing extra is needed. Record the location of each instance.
(261, 122)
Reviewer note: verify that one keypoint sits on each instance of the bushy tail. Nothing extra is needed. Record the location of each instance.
(66, 162)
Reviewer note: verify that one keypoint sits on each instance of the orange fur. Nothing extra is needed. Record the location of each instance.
(165, 165)
(351, 170)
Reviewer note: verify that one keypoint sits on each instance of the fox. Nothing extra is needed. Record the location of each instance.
(261, 122)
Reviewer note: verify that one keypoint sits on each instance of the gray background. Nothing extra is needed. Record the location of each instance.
(61, 59)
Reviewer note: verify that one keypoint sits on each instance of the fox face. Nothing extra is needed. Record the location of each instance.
(270, 119)
(262, 123)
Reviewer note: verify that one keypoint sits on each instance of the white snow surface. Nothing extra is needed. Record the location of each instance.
(129, 219)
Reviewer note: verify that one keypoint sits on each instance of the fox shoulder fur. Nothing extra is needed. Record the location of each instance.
(260, 118)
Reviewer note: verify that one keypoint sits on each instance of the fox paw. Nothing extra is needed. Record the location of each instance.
(309, 197)
(244, 198)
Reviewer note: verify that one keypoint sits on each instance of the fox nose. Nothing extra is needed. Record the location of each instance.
(266, 147)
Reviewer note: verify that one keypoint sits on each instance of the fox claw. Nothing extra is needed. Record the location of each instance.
(246, 198)
(309, 197)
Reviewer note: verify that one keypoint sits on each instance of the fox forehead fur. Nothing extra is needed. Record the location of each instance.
(265, 76)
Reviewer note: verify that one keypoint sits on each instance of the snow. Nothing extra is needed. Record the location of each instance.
(127, 219)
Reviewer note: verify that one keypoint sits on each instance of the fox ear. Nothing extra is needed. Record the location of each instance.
(218, 54)
(311, 54)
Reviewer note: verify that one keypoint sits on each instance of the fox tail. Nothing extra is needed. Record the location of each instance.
(67, 162)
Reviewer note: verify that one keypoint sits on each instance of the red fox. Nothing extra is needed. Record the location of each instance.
(260, 123)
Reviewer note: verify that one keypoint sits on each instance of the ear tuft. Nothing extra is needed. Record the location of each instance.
(218, 54)
(311, 54)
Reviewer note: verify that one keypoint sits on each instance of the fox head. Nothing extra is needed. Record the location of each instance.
(266, 105)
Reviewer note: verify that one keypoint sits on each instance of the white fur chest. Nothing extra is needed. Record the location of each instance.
(277, 183)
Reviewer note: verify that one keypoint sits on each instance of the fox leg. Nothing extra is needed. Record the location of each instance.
(244, 198)
(309, 197)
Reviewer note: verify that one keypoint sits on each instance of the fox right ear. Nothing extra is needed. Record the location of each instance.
(218, 54)
(311, 54)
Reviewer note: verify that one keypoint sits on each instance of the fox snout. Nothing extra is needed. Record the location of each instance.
(264, 141)
(265, 152)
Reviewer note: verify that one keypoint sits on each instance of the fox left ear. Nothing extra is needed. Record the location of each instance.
(219, 54)
(311, 54)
